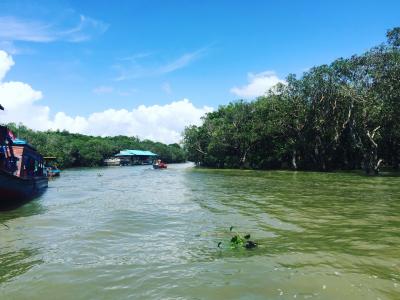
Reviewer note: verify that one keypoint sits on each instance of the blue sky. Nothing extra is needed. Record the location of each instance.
(90, 56)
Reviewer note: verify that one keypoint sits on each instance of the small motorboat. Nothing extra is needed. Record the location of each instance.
(159, 165)
(53, 171)
(51, 167)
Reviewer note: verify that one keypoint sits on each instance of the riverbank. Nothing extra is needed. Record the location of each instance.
(338, 116)
(384, 172)
(78, 150)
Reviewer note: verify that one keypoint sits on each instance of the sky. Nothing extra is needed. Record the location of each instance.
(150, 68)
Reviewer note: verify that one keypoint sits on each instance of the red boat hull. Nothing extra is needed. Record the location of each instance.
(159, 166)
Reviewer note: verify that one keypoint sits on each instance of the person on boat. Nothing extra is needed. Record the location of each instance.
(6, 139)
(2, 157)
(9, 161)
(3, 135)
(162, 164)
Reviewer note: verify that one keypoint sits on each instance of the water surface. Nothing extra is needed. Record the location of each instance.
(138, 233)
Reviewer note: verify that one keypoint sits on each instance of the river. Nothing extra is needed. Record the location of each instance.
(138, 233)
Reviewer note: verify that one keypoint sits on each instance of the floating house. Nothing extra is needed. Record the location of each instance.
(131, 157)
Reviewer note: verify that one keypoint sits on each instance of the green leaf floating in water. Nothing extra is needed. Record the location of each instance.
(240, 241)
(237, 240)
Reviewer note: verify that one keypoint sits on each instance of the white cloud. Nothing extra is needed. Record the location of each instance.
(100, 90)
(157, 122)
(166, 87)
(16, 29)
(84, 30)
(258, 85)
(137, 70)
(6, 62)
(136, 56)
(181, 62)
(127, 93)
(10, 47)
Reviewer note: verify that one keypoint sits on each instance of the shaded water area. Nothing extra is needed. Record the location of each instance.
(138, 233)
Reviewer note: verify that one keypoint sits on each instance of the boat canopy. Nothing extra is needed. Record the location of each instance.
(135, 153)
(21, 142)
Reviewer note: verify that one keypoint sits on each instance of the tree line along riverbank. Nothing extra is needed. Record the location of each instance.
(345, 115)
(78, 150)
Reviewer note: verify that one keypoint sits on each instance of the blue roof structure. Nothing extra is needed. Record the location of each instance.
(135, 153)
(21, 142)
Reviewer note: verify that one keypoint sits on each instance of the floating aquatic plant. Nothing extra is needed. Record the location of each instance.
(237, 240)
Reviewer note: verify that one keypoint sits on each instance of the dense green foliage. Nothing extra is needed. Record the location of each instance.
(345, 115)
(77, 150)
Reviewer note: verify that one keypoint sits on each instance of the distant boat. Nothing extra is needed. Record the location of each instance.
(116, 161)
(51, 167)
(53, 171)
(159, 165)
(22, 171)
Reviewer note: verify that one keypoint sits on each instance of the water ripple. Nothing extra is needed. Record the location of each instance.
(138, 233)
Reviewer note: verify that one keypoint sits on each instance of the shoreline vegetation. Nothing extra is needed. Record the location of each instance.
(78, 150)
(342, 116)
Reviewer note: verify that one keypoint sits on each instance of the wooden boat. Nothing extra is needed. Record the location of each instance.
(22, 171)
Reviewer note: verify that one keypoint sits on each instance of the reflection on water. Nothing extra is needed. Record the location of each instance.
(17, 262)
(138, 233)
(29, 209)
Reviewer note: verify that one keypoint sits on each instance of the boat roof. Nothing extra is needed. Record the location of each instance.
(21, 142)
(135, 152)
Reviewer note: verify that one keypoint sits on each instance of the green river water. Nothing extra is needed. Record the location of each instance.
(138, 233)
